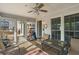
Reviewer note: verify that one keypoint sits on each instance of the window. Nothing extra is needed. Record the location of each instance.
(55, 28)
(72, 25)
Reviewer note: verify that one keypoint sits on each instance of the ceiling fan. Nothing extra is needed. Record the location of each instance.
(37, 8)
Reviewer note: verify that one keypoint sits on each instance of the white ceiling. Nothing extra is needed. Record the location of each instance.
(59, 6)
(21, 9)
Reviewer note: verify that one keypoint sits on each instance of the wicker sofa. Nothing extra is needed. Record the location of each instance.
(60, 47)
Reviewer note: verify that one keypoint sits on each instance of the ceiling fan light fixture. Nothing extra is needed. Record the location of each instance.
(37, 8)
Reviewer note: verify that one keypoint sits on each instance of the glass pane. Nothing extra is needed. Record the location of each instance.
(76, 35)
(67, 23)
(58, 23)
(76, 31)
(58, 35)
(53, 35)
(53, 24)
(72, 23)
(77, 23)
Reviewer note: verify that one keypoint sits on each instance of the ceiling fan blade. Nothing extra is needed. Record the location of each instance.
(30, 11)
(40, 5)
(43, 10)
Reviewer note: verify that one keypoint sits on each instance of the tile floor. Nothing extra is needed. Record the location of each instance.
(24, 47)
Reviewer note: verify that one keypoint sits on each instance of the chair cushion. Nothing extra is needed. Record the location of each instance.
(45, 37)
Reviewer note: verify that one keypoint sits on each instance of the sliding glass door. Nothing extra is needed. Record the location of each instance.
(20, 28)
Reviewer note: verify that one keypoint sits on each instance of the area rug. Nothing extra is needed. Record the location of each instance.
(36, 51)
(17, 51)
